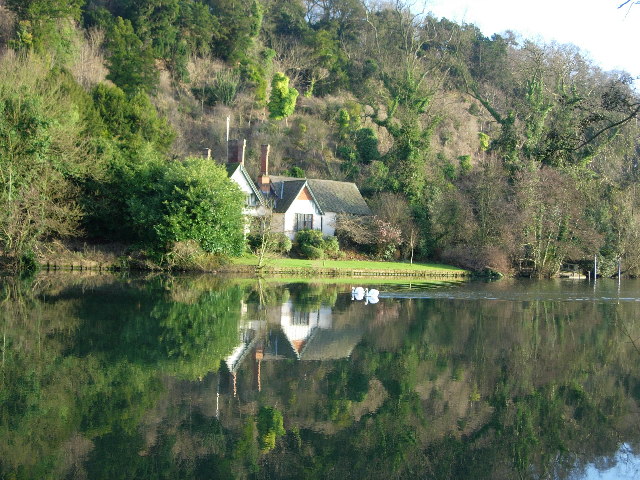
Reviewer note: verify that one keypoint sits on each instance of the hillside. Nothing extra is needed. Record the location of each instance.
(484, 152)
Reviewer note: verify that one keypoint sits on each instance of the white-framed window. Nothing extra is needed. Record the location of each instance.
(251, 200)
(304, 221)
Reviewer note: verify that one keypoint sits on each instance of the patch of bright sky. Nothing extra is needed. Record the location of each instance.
(605, 34)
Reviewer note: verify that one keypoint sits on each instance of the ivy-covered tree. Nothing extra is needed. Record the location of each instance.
(282, 101)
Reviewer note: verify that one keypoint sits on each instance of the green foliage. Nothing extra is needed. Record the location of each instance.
(197, 26)
(379, 179)
(295, 172)
(331, 246)
(46, 26)
(465, 164)
(133, 121)
(190, 200)
(367, 145)
(484, 141)
(313, 245)
(131, 62)
(40, 128)
(344, 121)
(222, 90)
(41, 10)
(311, 252)
(237, 26)
(270, 427)
(282, 101)
(253, 75)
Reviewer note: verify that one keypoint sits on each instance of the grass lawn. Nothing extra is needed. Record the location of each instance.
(345, 264)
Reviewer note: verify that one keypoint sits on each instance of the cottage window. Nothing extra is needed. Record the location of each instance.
(251, 200)
(300, 318)
(304, 221)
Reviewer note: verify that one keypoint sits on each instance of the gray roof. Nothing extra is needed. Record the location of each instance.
(331, 344)
(286, 192)
(330, 195)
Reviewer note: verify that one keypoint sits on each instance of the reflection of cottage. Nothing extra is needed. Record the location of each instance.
(249, 334)
(300, 326)
(313, 336)
(332, 344)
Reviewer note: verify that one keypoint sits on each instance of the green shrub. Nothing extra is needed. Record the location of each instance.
(313, 245)
(367, 145)
(224, 89)
(330, 246)
(170, 202)
(295, 172)
(309, 237)
(283, 243)
(465, 164)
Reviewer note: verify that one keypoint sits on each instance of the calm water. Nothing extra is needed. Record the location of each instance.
(202, 377)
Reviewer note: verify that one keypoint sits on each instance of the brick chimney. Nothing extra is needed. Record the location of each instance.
(236, 151)
(263, 180)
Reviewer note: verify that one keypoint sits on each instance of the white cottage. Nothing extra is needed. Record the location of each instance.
(301, 203)
(254, 200)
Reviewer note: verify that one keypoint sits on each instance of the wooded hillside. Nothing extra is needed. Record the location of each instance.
(496, 152)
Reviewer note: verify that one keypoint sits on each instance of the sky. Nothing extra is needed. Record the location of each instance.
(605, 34)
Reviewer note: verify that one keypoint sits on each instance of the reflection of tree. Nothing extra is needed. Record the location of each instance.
(188, 339)
(79, 370)
(51, 401)
(541, 393)
(309, 297)
(448, 389)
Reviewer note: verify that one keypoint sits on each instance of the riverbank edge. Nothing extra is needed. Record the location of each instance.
(87, 265)
(58, 256)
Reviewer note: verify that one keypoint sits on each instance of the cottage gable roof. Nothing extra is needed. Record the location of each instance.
(287, 190)
(330, 195)
(232, 168)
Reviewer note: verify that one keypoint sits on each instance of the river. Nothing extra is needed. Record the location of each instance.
(197, 377)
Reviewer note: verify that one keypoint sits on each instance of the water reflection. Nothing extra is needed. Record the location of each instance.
(206, 377)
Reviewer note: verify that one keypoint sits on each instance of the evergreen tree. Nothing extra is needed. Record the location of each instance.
(131, 63)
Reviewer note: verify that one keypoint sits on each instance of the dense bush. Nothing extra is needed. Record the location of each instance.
(196, 201)
(313, 245)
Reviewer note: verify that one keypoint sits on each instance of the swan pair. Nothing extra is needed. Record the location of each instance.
(369, 295)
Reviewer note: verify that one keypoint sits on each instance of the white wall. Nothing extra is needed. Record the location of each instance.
(300, 206)
(329, 223)
(242, 182)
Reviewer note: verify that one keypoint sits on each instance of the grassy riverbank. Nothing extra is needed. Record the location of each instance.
(119, 257)
(283, 266)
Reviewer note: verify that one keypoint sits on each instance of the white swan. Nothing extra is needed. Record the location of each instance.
(371, 293)
(357, 293)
